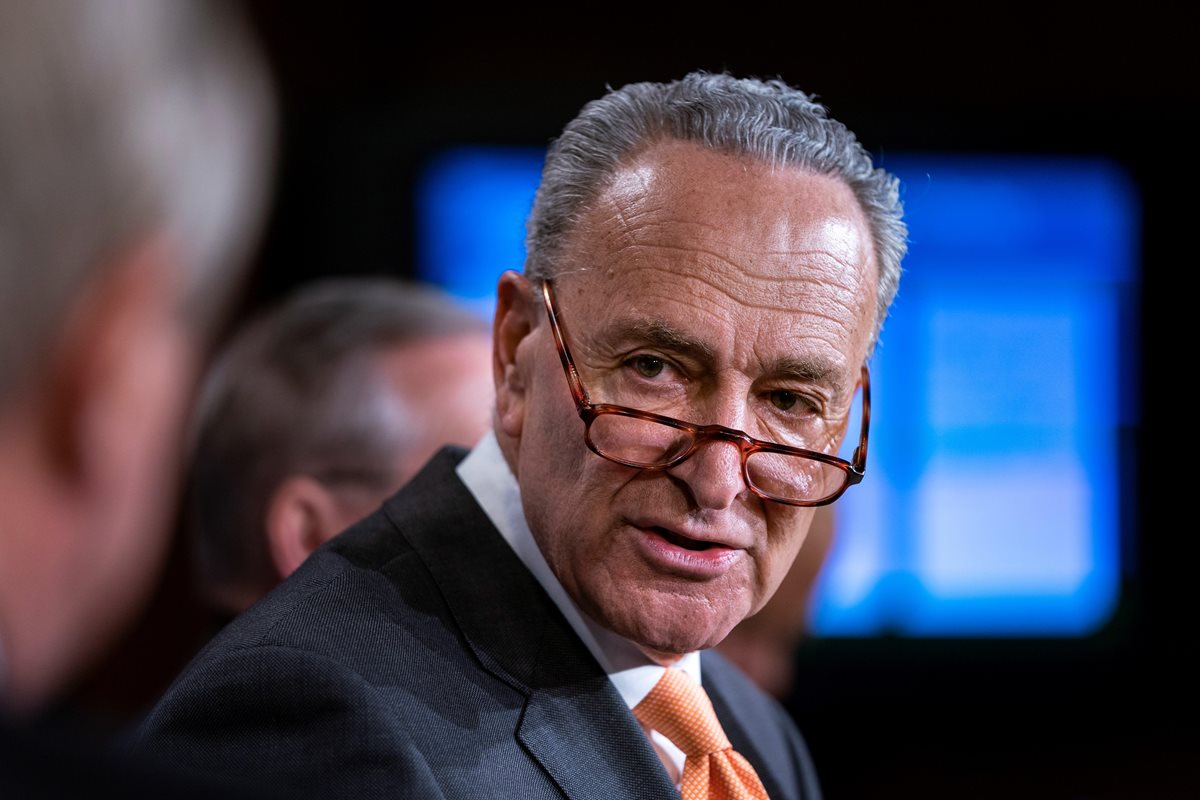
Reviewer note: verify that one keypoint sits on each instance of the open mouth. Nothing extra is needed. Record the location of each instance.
(672, 554)
(683, 541)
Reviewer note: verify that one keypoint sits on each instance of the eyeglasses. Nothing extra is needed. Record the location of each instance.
(644, 440)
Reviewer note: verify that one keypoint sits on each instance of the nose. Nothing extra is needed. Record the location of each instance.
(713, 474)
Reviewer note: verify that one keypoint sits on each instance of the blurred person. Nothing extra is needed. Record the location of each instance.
(709, 264)
(134, 136)
(315, 413)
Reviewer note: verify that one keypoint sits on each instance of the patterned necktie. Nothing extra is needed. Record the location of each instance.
(678, 708)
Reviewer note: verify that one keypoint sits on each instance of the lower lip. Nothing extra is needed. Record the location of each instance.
(707, 564)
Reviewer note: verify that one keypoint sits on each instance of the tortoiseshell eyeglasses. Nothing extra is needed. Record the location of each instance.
(782, 473)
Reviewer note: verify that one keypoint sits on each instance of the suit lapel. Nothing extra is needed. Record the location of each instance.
(580, 730)
(575, 724)
(480, 578)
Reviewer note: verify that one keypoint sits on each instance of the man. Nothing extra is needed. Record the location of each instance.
(709, 264)
(315, 413)
(133, 140)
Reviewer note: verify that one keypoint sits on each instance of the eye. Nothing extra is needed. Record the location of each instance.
(647, 366)
(784, 400)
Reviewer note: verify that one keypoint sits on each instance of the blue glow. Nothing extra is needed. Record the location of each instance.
(1000, 384)
(471, 210)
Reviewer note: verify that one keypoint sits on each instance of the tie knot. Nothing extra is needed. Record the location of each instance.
(679, 708)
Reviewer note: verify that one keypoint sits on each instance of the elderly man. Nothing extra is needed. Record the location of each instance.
(709, 264)
(133, 140)
(315, 413)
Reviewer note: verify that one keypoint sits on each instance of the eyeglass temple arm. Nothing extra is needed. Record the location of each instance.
(859, 459)
(564, 353)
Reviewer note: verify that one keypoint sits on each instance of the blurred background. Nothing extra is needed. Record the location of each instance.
(1005, 606)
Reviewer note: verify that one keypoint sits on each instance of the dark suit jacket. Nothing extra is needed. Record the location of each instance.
(415, 656)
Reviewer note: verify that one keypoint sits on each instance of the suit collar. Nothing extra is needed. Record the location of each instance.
(575, 724)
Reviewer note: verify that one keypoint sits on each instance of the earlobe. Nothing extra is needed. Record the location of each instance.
(514, 323)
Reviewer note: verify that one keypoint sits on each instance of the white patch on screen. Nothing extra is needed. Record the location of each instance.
(1015, 526)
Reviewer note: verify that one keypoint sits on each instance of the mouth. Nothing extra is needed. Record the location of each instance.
(672, 552)
(678, 540)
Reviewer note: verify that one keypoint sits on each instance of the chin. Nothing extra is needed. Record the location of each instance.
(676, 630)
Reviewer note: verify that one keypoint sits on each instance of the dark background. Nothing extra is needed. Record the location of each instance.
(368, 93)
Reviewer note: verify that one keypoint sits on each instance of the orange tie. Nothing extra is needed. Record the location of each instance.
(678, 708)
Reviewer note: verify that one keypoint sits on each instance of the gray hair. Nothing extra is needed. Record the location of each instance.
(767, 120)
(296, 392)
(121, 120)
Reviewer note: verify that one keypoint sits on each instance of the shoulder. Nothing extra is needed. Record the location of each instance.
(268, 711)
(351, 597)
(342, 673)
(365, 607)
(302, 688)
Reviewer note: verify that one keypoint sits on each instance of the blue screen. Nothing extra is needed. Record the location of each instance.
(1003, 380)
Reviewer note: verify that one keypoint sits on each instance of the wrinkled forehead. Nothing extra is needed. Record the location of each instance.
(745, 252)
(764, 202)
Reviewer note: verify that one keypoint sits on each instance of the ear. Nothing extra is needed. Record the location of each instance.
(113, 358)
(301, 515)
(515, 321)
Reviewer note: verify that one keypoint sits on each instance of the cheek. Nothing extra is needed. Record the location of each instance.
(550, 467)
(572, 514)
(788, 529)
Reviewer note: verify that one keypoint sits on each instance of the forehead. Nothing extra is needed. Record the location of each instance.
(755, 258)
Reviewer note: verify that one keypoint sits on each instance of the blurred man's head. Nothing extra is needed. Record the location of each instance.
(319, 410)
(723, 255)
(134, 136)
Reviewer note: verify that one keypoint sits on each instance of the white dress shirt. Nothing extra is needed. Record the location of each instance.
(488, 477)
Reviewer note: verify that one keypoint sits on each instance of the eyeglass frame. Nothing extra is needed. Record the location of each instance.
(855, 469)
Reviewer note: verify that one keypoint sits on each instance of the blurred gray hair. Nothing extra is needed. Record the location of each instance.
(297, 392)
(766, 120)
(122, 120)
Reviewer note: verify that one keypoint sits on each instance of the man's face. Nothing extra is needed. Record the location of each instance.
(736, 292)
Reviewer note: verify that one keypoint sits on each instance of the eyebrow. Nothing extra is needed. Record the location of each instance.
(657, 333)
(811, 371)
